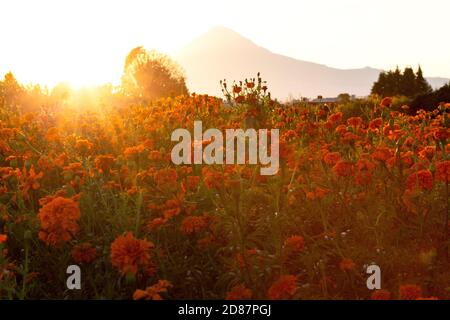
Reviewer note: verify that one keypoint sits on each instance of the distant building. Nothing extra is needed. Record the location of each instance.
(325, 100)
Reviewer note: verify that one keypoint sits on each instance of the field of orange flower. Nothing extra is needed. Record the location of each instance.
(98, 189)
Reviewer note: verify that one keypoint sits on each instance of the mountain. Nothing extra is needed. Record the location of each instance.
(222, 53)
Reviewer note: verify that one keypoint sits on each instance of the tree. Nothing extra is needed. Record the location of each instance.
(344, 97)
(422, 86)
(429, 101)
(149, 75)
(408, 83)
(10, 90)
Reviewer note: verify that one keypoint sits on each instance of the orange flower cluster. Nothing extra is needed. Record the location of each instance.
(59, 221)
(129, 254)
(410, 292)
(283, 288)
(84, 253)
(193, 224)
(239, 292)
(153, 292)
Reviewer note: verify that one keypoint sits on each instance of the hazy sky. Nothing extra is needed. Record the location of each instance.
(86, 41)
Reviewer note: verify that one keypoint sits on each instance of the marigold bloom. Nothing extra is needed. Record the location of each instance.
(58, 219)
(84, 253)
(346, 264)
(381, 295)
(375, 124)
(83, 146)
(294, 244)
(331, 158)
(441, 134)
(131, 152)
(335, 117)
(3, 238)
(192, 182)
(28, 181)
(427, 152)
(343, 169)
(382, 154)
(423, 179)
(156, 223)
(52, 134)
(443, 171)
(103, 163)
(153, 292)
(193, 224)
(386, 102)
(128, 254)
(239, 292)
(166, 177)
(354, 121)
(171, 208)
(410, 292)
(283, 288)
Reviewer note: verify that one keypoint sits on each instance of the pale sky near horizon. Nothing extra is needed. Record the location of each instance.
(85, 42)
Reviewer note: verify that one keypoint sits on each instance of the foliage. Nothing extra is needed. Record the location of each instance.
(97, 188)
(149, 75)
(395, 83)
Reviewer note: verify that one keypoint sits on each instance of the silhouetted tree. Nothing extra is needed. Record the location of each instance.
(10, 90)
(429, 101)
(407, 84)
(150, 75)
(422, 86)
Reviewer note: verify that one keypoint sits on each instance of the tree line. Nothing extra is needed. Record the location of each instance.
(397, 83)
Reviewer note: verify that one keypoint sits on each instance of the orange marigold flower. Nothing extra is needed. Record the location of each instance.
(156, 223)
(166, 177)
(153, 292)
(239, 292)
(343, 168)
(381, 295)
(58, 219)
(386, 102)
(83, 146)
(410, 292)
(3, 238)
(103, 163)
(427, 152)
(171, 208)
(346, 264)
(128, 254)
(375, 124)
(294, 244)
(354, 121)
(133, 151)
(382, 154)
(331, 158)
(29, 181)
(193, 224)
(84, 253)
(442, 171)
(423, 179)
(441, 134)
(192, 182)
(335, 117)
(52, 134)
(283, 288)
